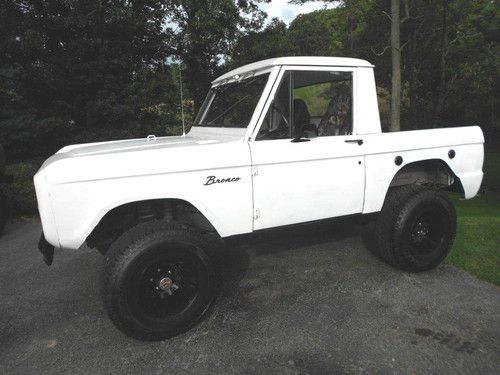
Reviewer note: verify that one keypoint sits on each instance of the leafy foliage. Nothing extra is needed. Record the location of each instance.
(272, 41)
(21, 192)
(75, 71)
(202, 34)
(81, 71)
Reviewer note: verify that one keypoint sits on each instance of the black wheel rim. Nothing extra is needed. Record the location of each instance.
(164, 283)
(429, 230)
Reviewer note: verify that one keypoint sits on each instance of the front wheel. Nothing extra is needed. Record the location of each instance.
(159, 280)
(416, 228)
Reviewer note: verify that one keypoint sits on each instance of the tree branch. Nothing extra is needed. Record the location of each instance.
(380, 53)
(407, 11)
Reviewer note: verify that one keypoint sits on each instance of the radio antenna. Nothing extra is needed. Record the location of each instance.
(182, 102)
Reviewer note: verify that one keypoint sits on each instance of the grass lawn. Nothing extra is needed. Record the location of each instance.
(477, 245)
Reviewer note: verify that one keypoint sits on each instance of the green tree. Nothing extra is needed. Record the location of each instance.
(71, 67)
(317, 33)
(203, 34)
(272, 41)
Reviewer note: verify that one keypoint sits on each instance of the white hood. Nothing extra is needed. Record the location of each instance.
(197, 136)
(135, 157)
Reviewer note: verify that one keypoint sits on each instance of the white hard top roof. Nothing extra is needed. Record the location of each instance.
(294, 60)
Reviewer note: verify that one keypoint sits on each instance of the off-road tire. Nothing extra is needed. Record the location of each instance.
(157, 244)
(399, 236)
(4, 211)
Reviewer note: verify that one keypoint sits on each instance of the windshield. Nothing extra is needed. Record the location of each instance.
(231, 105)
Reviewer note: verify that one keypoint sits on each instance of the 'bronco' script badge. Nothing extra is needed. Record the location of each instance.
(213, 180)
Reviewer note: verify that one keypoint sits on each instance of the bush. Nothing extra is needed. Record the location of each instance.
(20, 192)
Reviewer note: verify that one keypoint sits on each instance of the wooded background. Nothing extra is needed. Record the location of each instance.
(83, 71)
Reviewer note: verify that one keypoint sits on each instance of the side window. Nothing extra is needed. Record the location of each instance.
(277, 122)
(319, 104)
(322, 103)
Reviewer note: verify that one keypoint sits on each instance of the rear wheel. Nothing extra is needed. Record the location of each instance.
(159, 280)
(416, 228)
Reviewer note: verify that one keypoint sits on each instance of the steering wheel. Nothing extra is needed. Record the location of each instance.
(282, 130)
(283, 117)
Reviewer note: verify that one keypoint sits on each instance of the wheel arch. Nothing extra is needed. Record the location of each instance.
(428, 172)
(117, 219)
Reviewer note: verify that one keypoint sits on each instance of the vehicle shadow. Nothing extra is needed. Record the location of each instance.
(290, 238)
(235, 253)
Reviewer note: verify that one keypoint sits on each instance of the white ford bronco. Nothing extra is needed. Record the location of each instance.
(277, 142)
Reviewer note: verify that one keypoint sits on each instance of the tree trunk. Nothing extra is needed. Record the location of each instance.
(442, 65)
(350, 30)
(412, 67)
(396, 67)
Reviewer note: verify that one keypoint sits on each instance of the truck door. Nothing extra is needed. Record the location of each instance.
(307, 164)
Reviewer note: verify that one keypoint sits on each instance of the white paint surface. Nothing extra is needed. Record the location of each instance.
(286, 182)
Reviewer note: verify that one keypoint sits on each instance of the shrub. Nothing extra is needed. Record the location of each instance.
(20, 192)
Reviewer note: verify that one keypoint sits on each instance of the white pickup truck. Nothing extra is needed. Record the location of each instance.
(277, 142)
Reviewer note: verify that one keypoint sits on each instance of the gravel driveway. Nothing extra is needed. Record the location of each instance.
(307, 300)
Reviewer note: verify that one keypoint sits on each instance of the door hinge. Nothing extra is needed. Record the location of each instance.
(255, 171)
(256, 214)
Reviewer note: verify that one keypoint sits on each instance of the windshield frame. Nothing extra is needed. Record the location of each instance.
(239, 78)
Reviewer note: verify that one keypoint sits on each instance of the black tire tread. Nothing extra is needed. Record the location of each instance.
(392, 216)
(404, 258)
(124, 248)
(383, 228)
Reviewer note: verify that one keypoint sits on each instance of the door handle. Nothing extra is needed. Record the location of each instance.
(358, 141)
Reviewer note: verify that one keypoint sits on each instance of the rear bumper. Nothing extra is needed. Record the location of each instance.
(46, 249)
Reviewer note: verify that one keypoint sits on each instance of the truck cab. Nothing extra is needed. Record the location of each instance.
(302, 120)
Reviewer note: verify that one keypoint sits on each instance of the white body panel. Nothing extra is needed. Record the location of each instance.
(300, 182)
(417, 145)
(279, 182)
(86, 183)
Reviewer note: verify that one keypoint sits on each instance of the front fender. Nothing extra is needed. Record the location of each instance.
(79, 207)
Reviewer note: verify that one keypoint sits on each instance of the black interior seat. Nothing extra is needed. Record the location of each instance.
(301, 117)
